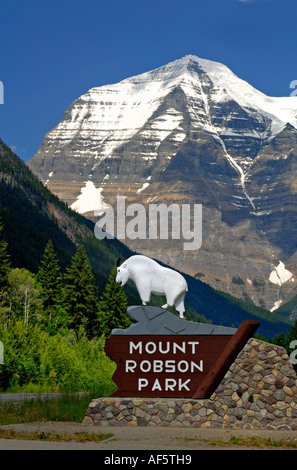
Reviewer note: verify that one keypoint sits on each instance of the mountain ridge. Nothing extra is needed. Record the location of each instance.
(189, 132)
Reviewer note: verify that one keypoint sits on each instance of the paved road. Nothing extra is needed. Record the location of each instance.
(136, 438)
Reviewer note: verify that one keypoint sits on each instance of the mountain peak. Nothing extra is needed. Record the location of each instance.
(194, 64)
(189, 131)
(189, 59)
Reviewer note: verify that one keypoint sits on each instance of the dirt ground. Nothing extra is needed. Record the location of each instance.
(140, 438)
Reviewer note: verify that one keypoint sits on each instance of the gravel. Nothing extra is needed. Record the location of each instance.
(138, 438)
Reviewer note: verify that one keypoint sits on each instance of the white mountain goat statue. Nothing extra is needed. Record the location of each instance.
(152, 278)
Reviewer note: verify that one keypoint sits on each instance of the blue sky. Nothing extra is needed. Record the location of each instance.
(53, 51)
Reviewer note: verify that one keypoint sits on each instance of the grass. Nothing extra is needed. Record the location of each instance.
(67, 408)
(72, 408)
(252, 442)
(255, 441)
(51, 436)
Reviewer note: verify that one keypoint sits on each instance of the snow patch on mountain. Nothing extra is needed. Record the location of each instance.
(145, 185)
(277, 304)
(90, 199)
(279, 275)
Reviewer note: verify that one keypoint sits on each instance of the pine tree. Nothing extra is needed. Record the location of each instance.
(113, 305)
(80, 294)
(50, 279)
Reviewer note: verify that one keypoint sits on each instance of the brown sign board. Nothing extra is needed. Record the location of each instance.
(174, 365)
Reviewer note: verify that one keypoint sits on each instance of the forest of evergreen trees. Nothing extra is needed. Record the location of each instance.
(54, 327)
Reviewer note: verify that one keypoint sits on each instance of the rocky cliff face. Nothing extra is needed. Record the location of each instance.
(190, 132)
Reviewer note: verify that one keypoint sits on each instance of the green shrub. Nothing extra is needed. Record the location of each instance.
(68, 363)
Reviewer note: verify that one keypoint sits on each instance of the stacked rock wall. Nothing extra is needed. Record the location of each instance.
(258, 392)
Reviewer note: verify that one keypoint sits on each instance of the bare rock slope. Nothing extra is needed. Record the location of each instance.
(190, 132)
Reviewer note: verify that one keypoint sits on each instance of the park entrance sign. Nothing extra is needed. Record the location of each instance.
(162, 355)
(177, 373)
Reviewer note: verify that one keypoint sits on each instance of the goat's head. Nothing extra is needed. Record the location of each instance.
(122, 275)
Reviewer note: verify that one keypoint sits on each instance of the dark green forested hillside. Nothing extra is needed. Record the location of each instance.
(32, 215)
(288, 309)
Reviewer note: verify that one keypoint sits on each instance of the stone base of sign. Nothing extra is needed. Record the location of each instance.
(258, 392)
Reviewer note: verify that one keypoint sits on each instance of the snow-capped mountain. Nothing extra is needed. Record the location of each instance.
(190, 132)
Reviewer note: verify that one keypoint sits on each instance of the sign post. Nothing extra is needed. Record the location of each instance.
(182, 359)
(161, 354)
